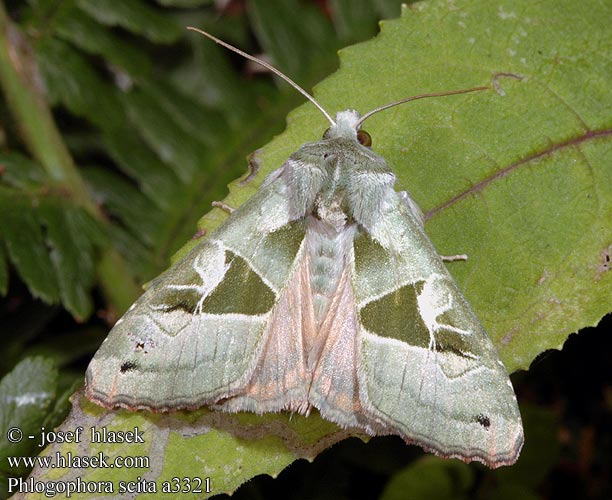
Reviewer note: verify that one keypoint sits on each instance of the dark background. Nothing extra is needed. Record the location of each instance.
(565, 397)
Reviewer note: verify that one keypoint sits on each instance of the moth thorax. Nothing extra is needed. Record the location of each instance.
(329, 210)
(328, 249)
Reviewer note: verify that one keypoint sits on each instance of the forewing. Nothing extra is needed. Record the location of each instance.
(196, 335)
(428, 370)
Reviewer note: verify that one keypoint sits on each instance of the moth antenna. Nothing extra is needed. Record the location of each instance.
(414, 98)
(265, 65)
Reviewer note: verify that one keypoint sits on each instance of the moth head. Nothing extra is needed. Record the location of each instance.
(347, 127)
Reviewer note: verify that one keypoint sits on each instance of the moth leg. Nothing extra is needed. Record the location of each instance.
(200, 234)
(418, 215)
(254, 163)
(223, 206)
(453, 258)
(412, 206)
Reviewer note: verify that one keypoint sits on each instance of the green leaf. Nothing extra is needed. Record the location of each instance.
(354, 17)
(72, 254)
(21, 172)
(25, 243)
(26, 395)
(121, 197)
(511, 180)
(75, 26)
(431, 477)
(288, 38)
(516, 179)
(540, 454)
(50, 240)
(222, 447)
(155, 179)
(73, 82)
(67, 385)
(135, 16)
(165, 135)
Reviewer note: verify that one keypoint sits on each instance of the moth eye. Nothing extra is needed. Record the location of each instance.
(364, 138)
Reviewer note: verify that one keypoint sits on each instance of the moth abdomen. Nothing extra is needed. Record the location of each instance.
(327, 254)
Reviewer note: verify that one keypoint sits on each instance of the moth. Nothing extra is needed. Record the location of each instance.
(321, 291)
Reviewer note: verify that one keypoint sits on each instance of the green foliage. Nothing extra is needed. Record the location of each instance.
(150, 130)
(121, 129)
(33, 398)
(27, 394)
(50, 240)
(527, 208)
(431, 477)
(158, 120)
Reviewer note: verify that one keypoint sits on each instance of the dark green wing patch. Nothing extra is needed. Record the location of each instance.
(396, 315)
(451, 341)
(370, 258)
(283, 244)
(241, 291)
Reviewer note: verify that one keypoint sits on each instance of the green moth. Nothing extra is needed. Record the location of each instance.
(322, 291)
